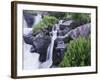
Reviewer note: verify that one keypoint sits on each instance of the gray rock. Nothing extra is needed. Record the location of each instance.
(40, 45)
(66, 24)
(72, 24)
(63, 32)
(66, 30)
(83, 30)
(58, 52)
(28, 38)
(29, 18)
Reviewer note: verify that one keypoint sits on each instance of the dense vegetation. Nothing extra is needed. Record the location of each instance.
(53, 17)
(74, 16)
(47, 21)
(58, 15)
(80, 16)
(77, 53)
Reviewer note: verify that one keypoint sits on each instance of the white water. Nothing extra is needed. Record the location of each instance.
(49, 60)
(38, 18)
(31, 60)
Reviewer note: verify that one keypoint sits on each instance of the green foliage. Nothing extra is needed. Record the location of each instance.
(75, 16)
(58, 15)
(81, 16)
(49, 20)
(46, 22)
(78, 53)
(39, 26)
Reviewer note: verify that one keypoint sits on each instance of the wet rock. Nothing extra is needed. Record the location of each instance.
(28, 38)
(29, 18)
(72, 24)
(40, 45)
(41, 34)
(66, 24)
(39, 42)
(33, 49)
(60, 33)
(76, 23)
(49, 28)
(37, 32)
(83, 30)
(58, 52)
(63, 32)
(66, 30)
(46, 32)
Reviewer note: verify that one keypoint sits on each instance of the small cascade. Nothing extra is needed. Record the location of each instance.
(30, 61)
(38, 18)
(24, 23)
(49, 60)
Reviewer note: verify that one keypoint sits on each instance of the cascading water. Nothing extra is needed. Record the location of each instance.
(38, 18)
(30, 61)
(49, 60)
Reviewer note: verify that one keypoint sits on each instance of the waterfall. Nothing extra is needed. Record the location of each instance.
(38, 18)
(30, 61)
(49, 60)
(24, 23)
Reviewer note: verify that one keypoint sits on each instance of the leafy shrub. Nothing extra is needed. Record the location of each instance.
(58, 15)
(46, 22)
(81, 16)
(78, 53)
(49, 20)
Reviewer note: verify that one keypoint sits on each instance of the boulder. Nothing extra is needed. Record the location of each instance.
(83, 30)
(46, 32)
(65, 31)
(39, 41)
(76, 23)
(40, 45)
(72, 24)
(29, 19)
(66, 24)
(58, 52)
(28, 38)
